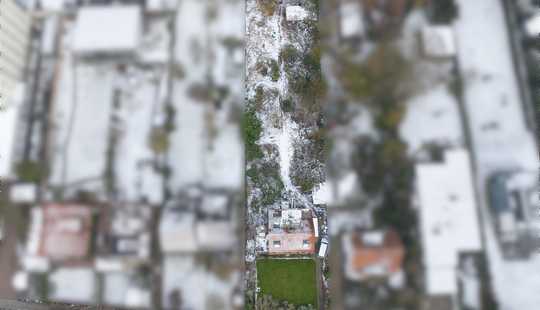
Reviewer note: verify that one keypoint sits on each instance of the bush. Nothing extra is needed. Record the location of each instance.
(287, 105)
(159, 140)
(274, 68)
(289, 54)
(252, 129)
(31, 171)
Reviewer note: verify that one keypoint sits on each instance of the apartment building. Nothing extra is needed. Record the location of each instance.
(14, 40)
(15, 25)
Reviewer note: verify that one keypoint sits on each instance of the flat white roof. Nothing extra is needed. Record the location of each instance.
(448, 218)
(107, 29)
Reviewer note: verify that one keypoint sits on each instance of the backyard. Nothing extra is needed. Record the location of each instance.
(291, 280)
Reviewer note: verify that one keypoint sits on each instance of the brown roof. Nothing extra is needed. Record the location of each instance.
(390, 253)
(291, 243)
(66, 232)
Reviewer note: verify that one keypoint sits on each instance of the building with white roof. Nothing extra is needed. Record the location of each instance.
(177, 232)
(439, 41)
(351, 19)
(114, 30)
(296, 13)
(448, 218)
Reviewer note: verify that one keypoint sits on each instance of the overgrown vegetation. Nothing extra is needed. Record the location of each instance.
(267, 7)
(385, 70)
(252, 129)
(265, 176)
(304, 75)
(31, 171)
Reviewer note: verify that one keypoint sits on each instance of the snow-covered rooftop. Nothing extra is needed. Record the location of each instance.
(439, 41)
(432, 117)
(23, 193)
(216, 235)
(102, 29)
(352, 23)
(73, 285)
(177, 232)
(448, 218)
(296, 13)
(532, 26)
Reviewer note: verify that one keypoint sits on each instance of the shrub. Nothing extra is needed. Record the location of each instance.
(274, 68)
(259, 97)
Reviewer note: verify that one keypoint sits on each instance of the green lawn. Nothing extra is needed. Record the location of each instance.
(292, 280)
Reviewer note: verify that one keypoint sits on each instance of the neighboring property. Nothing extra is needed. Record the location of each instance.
(61, 233)
(448, 219)
(374, 255)
(108, 30)
(291, 231)
(177, 231)
(513, 198)
(438, 42)
(125, 237)
(205, 224)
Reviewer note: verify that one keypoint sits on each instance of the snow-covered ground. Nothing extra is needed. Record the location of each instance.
(499, 134)
(265, 40)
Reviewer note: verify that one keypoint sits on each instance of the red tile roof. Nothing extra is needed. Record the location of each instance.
(66, 233)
